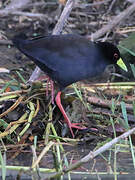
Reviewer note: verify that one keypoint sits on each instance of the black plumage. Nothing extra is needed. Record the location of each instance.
(68, 58)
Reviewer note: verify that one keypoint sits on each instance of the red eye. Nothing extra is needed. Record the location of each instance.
(116, 55)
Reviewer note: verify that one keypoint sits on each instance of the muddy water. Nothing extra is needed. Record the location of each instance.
(99, 165)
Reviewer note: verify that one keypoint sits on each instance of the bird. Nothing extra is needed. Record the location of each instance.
(68, 58)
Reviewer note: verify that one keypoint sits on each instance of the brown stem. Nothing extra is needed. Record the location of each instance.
(58, 28)
(113, 23)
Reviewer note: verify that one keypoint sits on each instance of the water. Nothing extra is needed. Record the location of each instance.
(101, 165)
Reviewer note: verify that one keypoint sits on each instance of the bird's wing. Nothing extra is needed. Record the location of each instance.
(55, 52)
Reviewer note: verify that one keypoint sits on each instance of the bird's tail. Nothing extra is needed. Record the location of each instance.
(19, 39)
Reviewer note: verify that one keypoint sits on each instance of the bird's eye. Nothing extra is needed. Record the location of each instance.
(115, 55)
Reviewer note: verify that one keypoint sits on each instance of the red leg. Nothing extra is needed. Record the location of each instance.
(70, 125)
(47, 87)
(52, 89)
(58, 101)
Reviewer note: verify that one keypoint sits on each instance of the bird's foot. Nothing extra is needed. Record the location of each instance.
(75, 126)
(67, 120)
(78, 126)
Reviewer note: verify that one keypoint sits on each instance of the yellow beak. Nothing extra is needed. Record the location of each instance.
(122, 65)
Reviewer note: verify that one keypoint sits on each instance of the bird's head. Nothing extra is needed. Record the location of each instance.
(112, 54)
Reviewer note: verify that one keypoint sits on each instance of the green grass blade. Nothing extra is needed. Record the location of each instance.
(128, 50)
(3, 164)
(124, 113)
(133, 69)
(132, 150)
(133, 107)
(21, 77)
